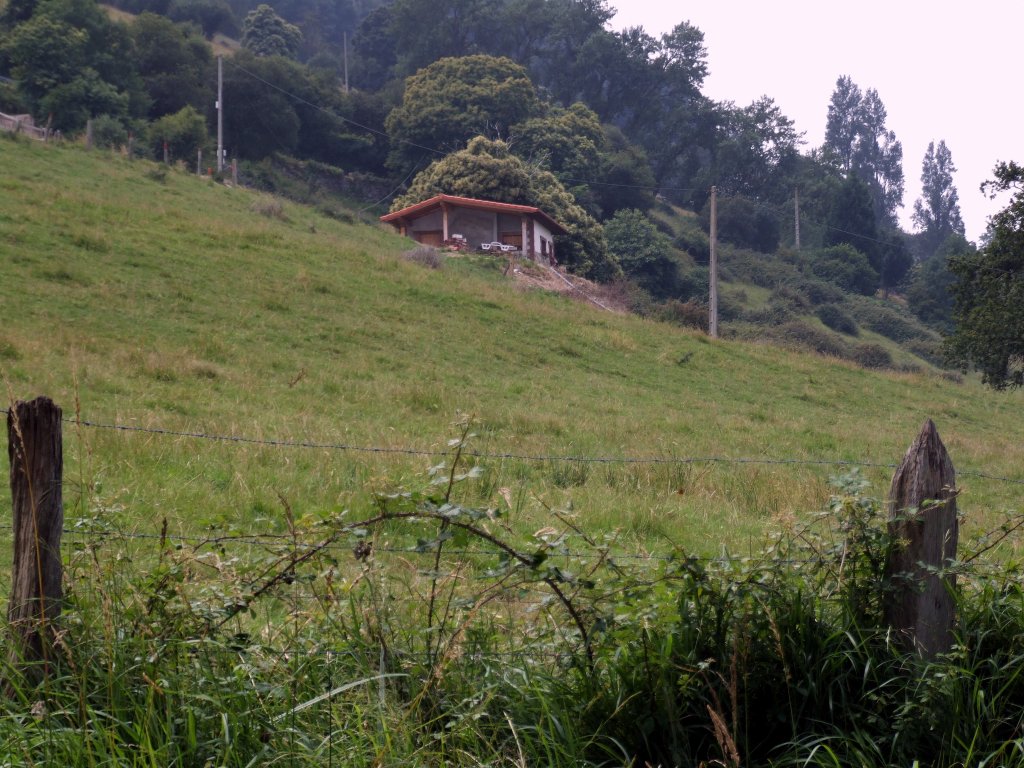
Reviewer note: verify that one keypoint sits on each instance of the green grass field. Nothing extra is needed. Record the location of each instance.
(153, 299)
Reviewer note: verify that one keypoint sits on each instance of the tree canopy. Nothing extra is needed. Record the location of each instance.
(487, 169)
(454, 99)
(267, 34)
(989, 291)
(937, 211)
(858, 143)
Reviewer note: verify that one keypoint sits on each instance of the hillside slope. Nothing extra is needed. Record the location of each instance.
(156, 299)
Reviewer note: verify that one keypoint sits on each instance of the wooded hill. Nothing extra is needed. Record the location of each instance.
(377, 92)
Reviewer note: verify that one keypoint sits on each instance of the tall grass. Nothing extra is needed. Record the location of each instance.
(421, 630)
(174, 304)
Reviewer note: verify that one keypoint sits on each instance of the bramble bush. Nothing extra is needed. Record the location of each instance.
(425, 631)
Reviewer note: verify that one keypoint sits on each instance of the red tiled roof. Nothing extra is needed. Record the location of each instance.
(423, 208)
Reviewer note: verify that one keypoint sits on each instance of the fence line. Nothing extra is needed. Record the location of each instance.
(23, 124)
(539, 458)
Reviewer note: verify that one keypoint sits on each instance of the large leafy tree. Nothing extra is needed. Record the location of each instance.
(267, 34)
(858, 143)
(989, 291)
(757, 150)
(487, 169)
(643, 252)
(174, 64)
(929, 294)
(851, 221)
(454, 99)
(937, 211)
(568, 142)
(72, 63)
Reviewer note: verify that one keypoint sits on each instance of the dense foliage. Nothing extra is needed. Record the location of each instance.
(989, 291)
(383, 89)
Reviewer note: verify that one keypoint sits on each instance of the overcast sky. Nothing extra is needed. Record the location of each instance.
(945, 71)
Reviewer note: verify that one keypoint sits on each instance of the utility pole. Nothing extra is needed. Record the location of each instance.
(344, 39)
(713, 290)
(220, 114)
(796, 217)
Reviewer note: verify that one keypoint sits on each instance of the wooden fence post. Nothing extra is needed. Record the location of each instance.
(922, 518)
(36, 460)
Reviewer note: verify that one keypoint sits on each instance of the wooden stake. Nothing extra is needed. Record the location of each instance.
(922, 517)
(36, 460)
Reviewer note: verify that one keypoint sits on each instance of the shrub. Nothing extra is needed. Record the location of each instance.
(790, 296)
(270, 207)
(838, 320)
(846, 267)
(695, 243)
(184, 132)
(818, 291)
(929, 350)
(801, 335)
(425, 256)
(892, 322)
(758, 268)
(689, 314)
(108, 132)
(871, 356)
(775, 313)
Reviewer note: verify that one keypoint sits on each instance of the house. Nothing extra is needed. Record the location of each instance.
(483, 224)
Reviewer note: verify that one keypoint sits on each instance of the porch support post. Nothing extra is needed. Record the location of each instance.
(444, 221)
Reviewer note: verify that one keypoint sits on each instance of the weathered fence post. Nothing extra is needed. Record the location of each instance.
(36, 460)
(922, 518)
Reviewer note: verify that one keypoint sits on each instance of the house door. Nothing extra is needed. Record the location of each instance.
(430, 237)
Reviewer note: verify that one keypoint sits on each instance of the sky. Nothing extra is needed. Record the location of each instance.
(944, 71)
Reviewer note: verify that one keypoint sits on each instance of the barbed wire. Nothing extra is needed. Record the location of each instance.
(512, 456)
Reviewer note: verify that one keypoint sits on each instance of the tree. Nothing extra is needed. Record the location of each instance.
(267, 34)
(455, 99)
(989, 291)
(174, 64)
(427, 30)
(625, 179)
(73, 63)
(183, 132)
(260, 119)
(488, 170)
(937, 211)
(211, 15)
(643, 252)
(879, 159)
(929, 295)
(745, 223)
(566, 141)
(858, 143)
(851, 221)
(843, 124)
(896, 260)
(758, 149)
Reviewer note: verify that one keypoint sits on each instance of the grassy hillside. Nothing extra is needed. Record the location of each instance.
(150, 298)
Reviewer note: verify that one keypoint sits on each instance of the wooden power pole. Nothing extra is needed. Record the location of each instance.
(220, 113)
(713, 289)
(796, 218)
